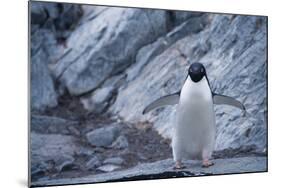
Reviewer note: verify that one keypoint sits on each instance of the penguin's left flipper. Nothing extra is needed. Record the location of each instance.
(223, 99)
(163, 101)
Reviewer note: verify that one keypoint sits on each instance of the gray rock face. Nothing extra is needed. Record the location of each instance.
(149, 52)
(51, 24)
(164, 169)
(43, 92)
(51, 152)
(106, 45)
(233, 50)
(87, 46)
(103, 137)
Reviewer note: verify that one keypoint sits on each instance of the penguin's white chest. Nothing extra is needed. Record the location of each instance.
(194, 132)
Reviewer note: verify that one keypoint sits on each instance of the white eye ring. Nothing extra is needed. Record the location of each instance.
(202, 70)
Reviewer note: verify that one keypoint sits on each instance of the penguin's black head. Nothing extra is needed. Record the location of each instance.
(196, 72)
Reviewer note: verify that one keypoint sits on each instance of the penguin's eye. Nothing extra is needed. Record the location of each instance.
(202, 70)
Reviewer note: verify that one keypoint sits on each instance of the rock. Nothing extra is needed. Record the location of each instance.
(114, 160)
(164, 169)
(149, 52)
(98, 100)
(120, 143)
(233, 50)
(66, 162)
(38, 13)
(52, 125)
(43, 92)
(51, 24)
(105, 46)
(108, 168)
(93, 163)
(104, 136)
(78, 64)
(52, 152)
(58, 17)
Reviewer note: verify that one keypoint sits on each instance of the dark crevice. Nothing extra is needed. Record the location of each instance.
(93, 17)
(170, 20)
(71, 62)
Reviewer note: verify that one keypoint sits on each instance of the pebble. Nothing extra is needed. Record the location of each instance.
(104, 136)
(108, 168)
(114, 160)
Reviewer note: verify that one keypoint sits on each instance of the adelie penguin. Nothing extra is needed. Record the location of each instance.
(194, 132)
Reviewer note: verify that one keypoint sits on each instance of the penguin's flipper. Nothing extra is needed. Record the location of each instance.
(223, 99)
(163, 101)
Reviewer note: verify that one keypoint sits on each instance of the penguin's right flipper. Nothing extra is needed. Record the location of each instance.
(223, 99)
(163, 101)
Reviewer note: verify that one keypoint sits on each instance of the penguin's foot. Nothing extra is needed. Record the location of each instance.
(207, 163)
(178, 165)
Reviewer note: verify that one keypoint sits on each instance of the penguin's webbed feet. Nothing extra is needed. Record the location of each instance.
(178, 165)
(207, 163)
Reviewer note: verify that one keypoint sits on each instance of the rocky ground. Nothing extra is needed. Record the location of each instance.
(69, 142)
(163, 169)
(69, 147)
(95, 68)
